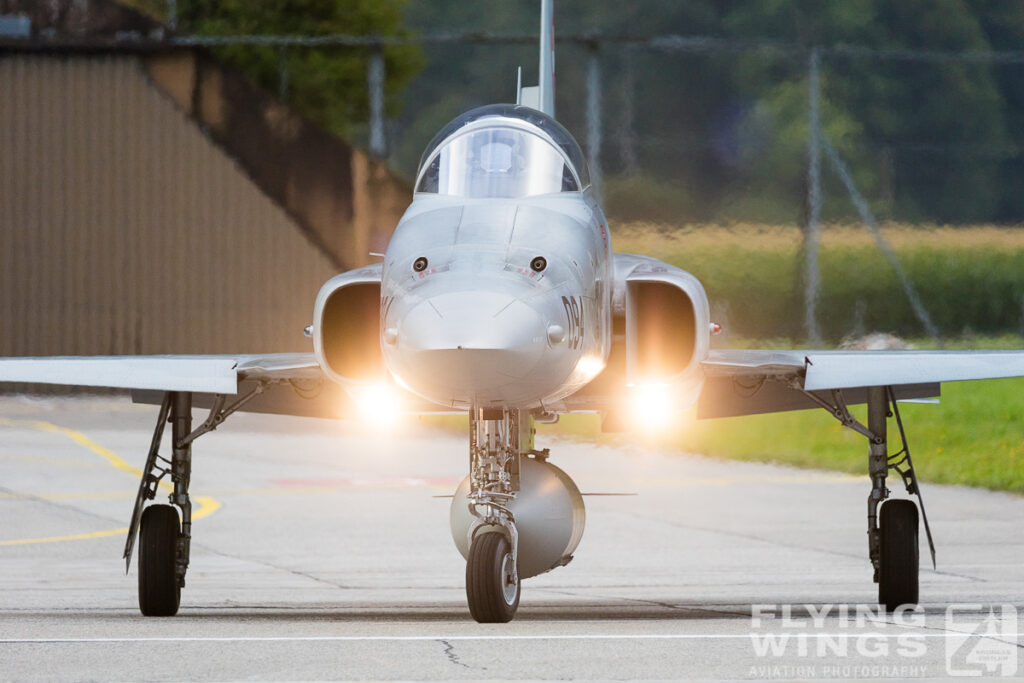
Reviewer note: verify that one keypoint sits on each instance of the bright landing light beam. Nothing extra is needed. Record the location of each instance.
(379, 405)
(652, 406)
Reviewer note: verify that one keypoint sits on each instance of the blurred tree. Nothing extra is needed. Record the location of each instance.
(1003, 24)
(711, 136)
(926, 141)
(673, 100)
(326, 84)
(915, 133)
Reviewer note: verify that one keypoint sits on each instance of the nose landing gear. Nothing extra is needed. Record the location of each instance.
(492, 573)
(492, 582)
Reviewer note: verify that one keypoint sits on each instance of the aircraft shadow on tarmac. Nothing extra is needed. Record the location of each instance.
(636, 610)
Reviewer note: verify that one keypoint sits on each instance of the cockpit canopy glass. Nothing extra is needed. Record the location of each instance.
(498, 162)
(504, 151)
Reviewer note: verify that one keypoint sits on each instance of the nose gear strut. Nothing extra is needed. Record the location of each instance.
(492, 573)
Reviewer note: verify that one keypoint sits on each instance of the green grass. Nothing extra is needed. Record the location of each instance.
(969, 278)
(975, 437)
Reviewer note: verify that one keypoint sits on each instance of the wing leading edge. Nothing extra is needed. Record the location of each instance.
(218, 374)
(748, 381)
(288, 383)
(849, 369)
(739, 381)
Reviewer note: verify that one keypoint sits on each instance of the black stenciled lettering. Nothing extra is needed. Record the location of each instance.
(569, 321)
(574, 320)
(582, 326)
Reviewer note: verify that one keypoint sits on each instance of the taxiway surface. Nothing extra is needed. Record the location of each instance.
(322, 552)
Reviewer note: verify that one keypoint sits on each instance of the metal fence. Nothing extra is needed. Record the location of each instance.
(789, 147)
(606, 84)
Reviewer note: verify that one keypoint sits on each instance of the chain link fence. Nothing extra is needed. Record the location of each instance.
(685, 130)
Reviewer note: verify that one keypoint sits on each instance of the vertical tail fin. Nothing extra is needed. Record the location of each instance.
(542, 96)
(547, 57)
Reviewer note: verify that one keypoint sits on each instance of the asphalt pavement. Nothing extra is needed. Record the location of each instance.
(321, 551)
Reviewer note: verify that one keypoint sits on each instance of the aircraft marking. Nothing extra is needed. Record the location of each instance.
(574, 319)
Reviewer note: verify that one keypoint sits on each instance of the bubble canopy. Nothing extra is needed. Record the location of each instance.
(504, 151)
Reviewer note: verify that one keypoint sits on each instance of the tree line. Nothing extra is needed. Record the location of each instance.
(718, 135)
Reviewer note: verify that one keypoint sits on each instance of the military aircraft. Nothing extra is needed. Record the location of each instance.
(500, 296)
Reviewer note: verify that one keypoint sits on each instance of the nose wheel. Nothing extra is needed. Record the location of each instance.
(492, 586)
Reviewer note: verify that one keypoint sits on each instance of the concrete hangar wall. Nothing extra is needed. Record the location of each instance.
(154, 202)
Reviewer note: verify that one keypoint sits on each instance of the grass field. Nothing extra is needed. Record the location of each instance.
(970, 279)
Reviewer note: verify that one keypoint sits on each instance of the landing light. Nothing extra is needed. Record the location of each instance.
(652, 406)
(379, 405)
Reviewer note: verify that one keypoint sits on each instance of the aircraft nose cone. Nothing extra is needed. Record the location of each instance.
(468, 346)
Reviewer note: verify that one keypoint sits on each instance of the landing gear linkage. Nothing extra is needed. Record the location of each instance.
(892, 536)
(492, 572)
(902, 464)
(165, 545)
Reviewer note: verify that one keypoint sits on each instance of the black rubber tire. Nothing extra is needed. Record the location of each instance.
(159, 592)
(485, 582)
(898, 574)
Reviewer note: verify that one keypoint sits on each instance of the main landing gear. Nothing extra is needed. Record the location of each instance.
(892, 524)
(164, 538)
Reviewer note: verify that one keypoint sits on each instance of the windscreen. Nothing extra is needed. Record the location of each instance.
(499, 162)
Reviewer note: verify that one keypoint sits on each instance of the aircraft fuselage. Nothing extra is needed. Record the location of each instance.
(497, 302)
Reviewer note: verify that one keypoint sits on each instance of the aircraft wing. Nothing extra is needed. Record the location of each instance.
(220, 374)
(288, 383)
(738, 381)
(747, 381)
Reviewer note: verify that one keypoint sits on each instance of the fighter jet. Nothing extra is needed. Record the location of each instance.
(500, 297)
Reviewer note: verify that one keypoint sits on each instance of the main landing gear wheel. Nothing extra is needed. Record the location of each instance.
(492, 588)
(898, 570)
(159, 592)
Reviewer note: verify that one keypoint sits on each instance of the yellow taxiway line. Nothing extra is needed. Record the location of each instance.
(207, 506)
